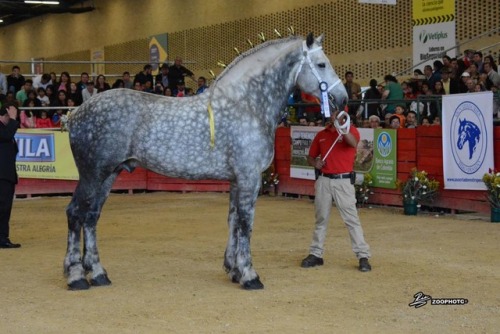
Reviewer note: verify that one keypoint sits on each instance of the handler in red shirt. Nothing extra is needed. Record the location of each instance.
(336, 182)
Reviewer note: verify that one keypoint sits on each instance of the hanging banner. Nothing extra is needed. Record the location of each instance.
(158, 54)
(467, 121)
(433, 30)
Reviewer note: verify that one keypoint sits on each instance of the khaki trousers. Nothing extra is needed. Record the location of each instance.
(342, 192)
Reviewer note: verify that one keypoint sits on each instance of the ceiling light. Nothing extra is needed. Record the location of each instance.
(42, 2)
(1, 20)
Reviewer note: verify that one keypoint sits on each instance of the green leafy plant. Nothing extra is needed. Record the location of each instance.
(363, 190)
(418, 187)
(492, 182)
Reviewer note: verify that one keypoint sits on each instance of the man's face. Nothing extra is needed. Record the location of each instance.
(201, 82)
(349, 77)
(85, 78)
(28, 86)
(178, 61)
(411, 119)
(15, 71)
(476, 58)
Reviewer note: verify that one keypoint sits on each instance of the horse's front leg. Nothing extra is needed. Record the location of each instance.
(246, 198)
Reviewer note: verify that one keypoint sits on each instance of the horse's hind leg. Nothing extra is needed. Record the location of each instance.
(83, 212)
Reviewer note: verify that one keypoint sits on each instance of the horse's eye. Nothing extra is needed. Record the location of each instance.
(322, 65)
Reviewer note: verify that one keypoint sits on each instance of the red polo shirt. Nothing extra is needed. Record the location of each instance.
(341, 158)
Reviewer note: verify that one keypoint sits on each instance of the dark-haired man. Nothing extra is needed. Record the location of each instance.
(8, 174)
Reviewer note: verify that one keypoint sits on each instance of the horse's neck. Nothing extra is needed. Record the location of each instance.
(262, 80)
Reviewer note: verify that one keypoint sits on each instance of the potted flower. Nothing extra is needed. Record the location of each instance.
(363, 190)
(492, 182)
(416, 189)
(270, 180)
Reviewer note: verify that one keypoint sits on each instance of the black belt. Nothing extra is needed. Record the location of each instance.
(337, 176)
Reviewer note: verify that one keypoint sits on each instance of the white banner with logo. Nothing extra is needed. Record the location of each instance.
(433, 31)
(467, 121)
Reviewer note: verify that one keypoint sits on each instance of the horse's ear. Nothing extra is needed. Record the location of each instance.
(310, 40)
(320, 39)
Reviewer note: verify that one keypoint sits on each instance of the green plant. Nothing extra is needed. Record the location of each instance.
(418, 187)
(492, 182)
(363, 190)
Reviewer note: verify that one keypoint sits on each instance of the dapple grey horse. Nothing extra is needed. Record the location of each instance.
(226, 133)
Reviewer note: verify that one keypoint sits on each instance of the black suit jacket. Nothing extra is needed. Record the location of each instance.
(8, 151)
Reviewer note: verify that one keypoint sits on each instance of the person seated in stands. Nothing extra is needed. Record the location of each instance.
(148, 87)
(138, 86)
(167, 91)
(365, 123)
(127, 81)
(49, 91)
(75, 94)
(118, 84)
(145, 75)
(425, 121)
(394, 122)
(374, 122)
(84, 79)
(28, 116)
(101, 84)
(22, 94)
(436, 121)
(42, 97)
(43, 121)
(15, 80)
(89, 91)
(42, 80)
(303, 121)
(162, 77)
(158, 88)
(399, 112)
(181, 89)
(411, 119)
(64, 82)
(387, 120)
(202, 85)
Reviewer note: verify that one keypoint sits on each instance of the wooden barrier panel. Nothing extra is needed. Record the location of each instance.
(421, 148)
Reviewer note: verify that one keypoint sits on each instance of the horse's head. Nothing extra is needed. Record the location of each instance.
(316, 75)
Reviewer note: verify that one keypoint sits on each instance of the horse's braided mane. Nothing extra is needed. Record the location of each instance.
(254, 50)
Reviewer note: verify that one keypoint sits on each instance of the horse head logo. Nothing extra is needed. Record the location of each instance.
(468, 132)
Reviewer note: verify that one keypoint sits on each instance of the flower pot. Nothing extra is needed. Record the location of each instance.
(410, 208)
(495, 215)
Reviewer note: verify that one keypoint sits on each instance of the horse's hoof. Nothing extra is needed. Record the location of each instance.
(100, 280)
(254, 284)
(81, 284)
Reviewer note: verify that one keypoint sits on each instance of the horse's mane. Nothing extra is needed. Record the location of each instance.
(253, 51)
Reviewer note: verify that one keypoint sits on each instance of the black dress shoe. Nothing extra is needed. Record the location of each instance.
(311, 261)
(5, 243)
(364, 265)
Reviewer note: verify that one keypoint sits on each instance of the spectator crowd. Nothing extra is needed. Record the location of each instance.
(49, 91)
(412, 102)
(391, 104)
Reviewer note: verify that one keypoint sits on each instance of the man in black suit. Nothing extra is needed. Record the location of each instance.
(8, 174)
